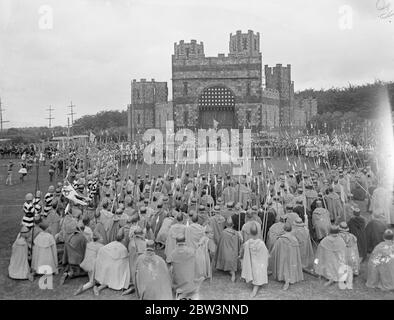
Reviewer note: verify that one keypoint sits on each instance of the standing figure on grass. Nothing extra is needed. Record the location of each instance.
(255, 261)
(10, 166)
(22, 172)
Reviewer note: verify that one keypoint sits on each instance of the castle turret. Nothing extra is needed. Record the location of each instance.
(244, 44)
(191, 50)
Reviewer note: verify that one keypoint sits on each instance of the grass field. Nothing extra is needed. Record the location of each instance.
(11, 213)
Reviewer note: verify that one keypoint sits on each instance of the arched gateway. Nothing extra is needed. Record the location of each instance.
(216, 103)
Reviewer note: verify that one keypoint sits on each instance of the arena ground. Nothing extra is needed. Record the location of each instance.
(11, 201)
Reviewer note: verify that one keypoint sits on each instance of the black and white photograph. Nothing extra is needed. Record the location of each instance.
(199, 150)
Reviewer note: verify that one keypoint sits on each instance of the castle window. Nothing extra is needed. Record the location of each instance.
(187, 52)
(255, 44)
(234, 46)
(138, 119)
(248, 89)
(137, 93)
(244, 43)
(185, 88)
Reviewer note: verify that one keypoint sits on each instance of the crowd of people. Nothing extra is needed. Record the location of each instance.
(162, 235)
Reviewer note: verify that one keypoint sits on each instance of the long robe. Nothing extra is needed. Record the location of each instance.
(176, 230)
(74, 249)
(274, 232)
(100, 231)
(306, 249)
(352, 256)
(19, 265)
(331, 257)
(44, 253)
(357, 227)
(228, 250)
(183, 269)
(53, 221)
(381, 266)
(203, 262)
(255, 262)
(152, 278)
(374, 233)
(89, 261)
(285, 259)
(246, 235)
(112, 266)
(334, 206)
(321, 222)
(217, 223)
(164, 229)
(193, 234)
(113, 230)
(136, 247)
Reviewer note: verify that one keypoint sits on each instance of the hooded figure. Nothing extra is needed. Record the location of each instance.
(374, 232)
(255, 261)
(228, 249)
(330, 259)
(152, 278)
(19, 264)
(194, 232)
(112, 266)
(352, 256)
(356, 226)
(176, 230)
(381, 264)
(304, 239)
(285, 258)
(321, 221)
(217, 223)
(44, 253)
(334, 205)
(183, 269)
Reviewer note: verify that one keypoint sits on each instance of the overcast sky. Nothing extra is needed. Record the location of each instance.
(97, 47)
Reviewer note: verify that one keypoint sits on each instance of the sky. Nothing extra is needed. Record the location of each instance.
(93, 49)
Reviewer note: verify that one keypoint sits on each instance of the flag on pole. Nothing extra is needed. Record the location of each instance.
(69, 192)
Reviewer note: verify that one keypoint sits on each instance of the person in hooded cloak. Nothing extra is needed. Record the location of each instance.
(152, 278)
(331, 257)
(285, 258)
(255, 261)
(356, 226)
(228, 249)
(381, 264)
(304, 239)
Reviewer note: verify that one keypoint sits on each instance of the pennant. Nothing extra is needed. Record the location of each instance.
(69, 192)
